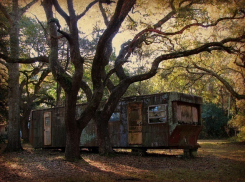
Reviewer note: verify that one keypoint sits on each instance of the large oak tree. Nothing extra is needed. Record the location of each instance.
(169, 29)
(13, 28)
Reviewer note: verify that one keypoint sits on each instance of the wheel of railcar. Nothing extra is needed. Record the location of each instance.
(93, 149)
(139, 151)
(190, 153)
(193, 152)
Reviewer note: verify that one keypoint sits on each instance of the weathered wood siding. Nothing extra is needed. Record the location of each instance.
(36, 129)
(58, 127)
(179, 108)
(153, 135)
(58, 135)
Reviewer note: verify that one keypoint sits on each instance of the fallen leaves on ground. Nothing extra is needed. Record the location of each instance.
(216, 161)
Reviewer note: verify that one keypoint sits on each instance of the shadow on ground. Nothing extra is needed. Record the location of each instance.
(215, 162)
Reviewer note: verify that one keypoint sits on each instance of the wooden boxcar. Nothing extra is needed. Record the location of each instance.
(164, 120)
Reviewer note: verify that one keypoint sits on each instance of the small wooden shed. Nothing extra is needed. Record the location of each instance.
(164, 120)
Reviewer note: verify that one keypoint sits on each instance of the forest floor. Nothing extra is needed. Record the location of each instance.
(216, 161)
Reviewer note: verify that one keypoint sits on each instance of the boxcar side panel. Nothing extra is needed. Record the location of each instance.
(135, 123)
(122, 126)
(89, 135)
(154, 134)
(114, 129)
(37, 129)
(187, 117)
(58, 127)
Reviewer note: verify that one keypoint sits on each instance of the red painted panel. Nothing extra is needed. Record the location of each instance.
(185, 136)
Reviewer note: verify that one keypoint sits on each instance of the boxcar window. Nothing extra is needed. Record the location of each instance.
(157, 113)
(115, 116)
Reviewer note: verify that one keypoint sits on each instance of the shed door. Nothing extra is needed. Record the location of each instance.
(47, 128)
(135, 123)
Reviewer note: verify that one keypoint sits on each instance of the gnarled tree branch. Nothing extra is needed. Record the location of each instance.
(23, 10)
(206, 47)
(106, 21)
(222, 80)
(6, 14)
(42, 59)
(87, 90)
(61, 11)
(87, 9)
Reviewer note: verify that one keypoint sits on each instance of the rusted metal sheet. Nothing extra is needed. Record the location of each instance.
(135, 138)
(156, 135)
(114, 128)
(185, 136)
(135, 123)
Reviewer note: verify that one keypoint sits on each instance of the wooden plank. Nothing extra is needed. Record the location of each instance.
(194, 114)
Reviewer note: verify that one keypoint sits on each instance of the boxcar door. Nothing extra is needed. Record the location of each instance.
(135, 123)
(47, 128)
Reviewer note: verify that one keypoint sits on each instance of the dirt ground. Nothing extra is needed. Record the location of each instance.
(216, 161)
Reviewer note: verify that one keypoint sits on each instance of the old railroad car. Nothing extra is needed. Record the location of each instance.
(157, 121)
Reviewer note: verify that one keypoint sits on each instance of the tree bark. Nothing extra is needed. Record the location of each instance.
(102, 119)
(58, 94)
(14, 143)
(103, 134)
(13, 17)
(71, 85)
(73, 133)
(72, 150)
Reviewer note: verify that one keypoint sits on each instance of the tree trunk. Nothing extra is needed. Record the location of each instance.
(103, 136)
(73, 133)
(72, 151)
(103, 117)
(58, 93)
(14, 143)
